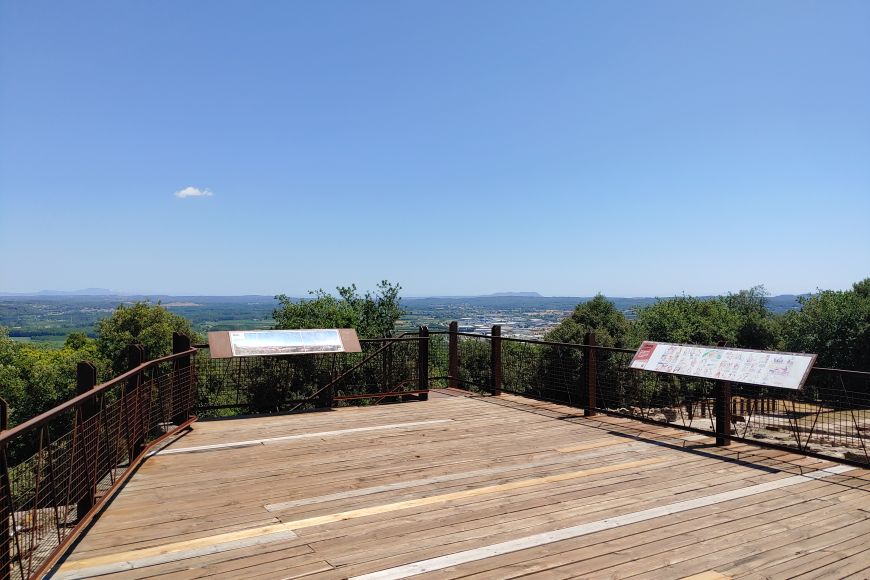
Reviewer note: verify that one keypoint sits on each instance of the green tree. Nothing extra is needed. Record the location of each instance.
(34, 379)
(598, 315)
(756, 325)
(689, 320)
(835, 325)
(372, 315)
(862, 288)
(559, 369)
(12, 385)
(77, 340)
(143, 323)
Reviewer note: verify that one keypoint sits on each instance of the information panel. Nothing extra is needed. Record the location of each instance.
(240, 343)
(772, 369)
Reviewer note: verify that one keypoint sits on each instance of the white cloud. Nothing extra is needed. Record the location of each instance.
(193, 192)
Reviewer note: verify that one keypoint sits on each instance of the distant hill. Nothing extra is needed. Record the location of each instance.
(82, 292)
(533, 300)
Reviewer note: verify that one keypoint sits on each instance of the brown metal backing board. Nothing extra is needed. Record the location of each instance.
(220, 346)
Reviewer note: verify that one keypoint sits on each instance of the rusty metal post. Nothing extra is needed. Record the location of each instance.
(86, 380)
(6, 505)
(495, 365)
(423, 363)
(135, 413)
(182, 384)
(723, 413)
(326, 396)
(591, 374)
(453, 355)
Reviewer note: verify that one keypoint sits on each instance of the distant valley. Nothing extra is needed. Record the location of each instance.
(50, 316)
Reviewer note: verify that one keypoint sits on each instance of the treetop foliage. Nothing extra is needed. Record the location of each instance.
(32, 379)
(143, 323)
(598, 315)
(372, 315)
(689, 320)
(835, 325)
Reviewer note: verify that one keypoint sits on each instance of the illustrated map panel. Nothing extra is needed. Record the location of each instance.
(277, 342)
(772, 369)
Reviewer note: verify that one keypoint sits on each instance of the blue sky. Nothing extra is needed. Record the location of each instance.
(628, 147)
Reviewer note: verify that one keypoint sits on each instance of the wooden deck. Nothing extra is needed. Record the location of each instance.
(482, 487)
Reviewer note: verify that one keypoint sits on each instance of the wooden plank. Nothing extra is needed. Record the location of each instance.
(708, 575)
(252, 442)
(225, 563)
(364, 502)
(592, 527)
(179, 550)
(275, 507)
(173, 553)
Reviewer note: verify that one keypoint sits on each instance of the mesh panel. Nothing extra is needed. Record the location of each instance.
(53, 473)
(271, 384)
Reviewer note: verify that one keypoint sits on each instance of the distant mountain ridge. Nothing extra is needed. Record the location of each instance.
(82, 292)
(496, 300)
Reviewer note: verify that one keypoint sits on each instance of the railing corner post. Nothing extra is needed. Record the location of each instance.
(135, 424)
(453, 355)
(495, 361)
(86, 380)
(591, 365)
(182, 380)
(723, 413)
(423, 363)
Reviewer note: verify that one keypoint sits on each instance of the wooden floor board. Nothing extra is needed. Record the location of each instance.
(493, 470)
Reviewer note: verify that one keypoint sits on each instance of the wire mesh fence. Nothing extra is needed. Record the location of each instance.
(829, 416)
(475, 369)
(671, 399)
(55, 468)
(543, 370)
(258, 384)
(386, 370)
(439, 360)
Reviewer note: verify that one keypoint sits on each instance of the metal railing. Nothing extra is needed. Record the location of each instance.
(58, 469)
(387, 370)
(829, 417)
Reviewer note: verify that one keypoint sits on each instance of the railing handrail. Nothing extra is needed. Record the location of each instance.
(543, 342)
(46, 417)
(514, 339)
(617, 349)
